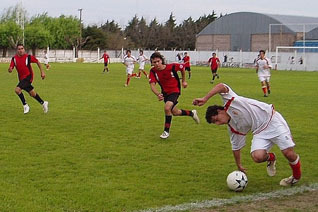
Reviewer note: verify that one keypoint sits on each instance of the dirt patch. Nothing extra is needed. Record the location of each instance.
(307, 201)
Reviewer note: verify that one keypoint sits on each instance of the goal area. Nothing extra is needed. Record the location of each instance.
(296, 58)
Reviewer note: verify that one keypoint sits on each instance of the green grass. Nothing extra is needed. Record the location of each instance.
(98, 148)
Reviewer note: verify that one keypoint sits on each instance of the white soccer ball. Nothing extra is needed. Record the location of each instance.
(237, 181)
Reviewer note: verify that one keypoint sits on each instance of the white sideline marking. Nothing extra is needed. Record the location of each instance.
(240, 199)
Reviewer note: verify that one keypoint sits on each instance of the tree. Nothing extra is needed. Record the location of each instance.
(96, 38)
(36, 36)
(10, 36)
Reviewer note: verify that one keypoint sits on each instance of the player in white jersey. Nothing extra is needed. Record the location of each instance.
(263, 66)
(142, 61)
(46, 60)
(267, 126)
(129, 62)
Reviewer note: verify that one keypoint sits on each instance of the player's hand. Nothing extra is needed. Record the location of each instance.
(266, 66)
(160, 97)
(184, 84)
(241, 168)
(10, 70)
(43, 75)
(199, 101)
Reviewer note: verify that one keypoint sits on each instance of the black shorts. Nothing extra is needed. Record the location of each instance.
(173, 97)
(25, 84)
(187, 69)
(106, 64)
(214, 70)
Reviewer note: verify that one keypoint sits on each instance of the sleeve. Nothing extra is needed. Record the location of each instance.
(152, 78)
(12, 63)
(33, 59)
(237, 141)
(179, 67)
(229, 94)
(209, 60)
(269, 62)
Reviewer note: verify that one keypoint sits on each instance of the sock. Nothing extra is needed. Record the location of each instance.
(271, 157)
(21, 96)
(296, 168)
(38, 98)
(189, 75)
(133, 75)
(127, 81)
(264, 90)
(107, 69)
(167, 123)
(268, 88)
(145, 73)
(186, 113)
(213, 77)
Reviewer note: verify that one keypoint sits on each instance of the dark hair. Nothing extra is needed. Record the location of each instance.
(141, 51)
(20, 44)
(157, 55)
(212, 111)
(262, 51)
(128, 50)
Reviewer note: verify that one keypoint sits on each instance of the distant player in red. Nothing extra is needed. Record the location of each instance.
(22, 63)
(106, 61)
(214, 64)
(167, 77)
(186, 61)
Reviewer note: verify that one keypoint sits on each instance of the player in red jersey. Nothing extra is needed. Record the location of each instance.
(106, 61)
(214, 64)
(186, 60)
(167, 77)
(22, 63)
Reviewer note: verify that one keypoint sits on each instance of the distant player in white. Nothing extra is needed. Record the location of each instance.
(129, 62)
(46, 60)
(267, 126)
(263, 66)
(142, 61)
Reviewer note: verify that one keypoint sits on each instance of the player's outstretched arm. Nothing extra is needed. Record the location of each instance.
(41, 70)
(184, 83)
(237, 157)
(219, 88)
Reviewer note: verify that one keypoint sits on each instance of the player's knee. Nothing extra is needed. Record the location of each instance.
(258, 156)
(17, 90)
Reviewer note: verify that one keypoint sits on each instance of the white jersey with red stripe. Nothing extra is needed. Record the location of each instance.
(246, 115)
(262, 71)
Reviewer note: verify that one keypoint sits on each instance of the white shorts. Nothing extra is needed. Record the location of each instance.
(129, 71)
(262, 78)
(277, 132)
(142, 66)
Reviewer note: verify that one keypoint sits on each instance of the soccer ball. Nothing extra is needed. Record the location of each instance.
(237, 181)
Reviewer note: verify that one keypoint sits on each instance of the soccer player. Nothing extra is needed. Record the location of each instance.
(167, 77)
(106, 61)
(266, 124)
(142, 60)
(129, 62)
(46, 60)
(263, 66)
(214, 64)
(22, 63)
(186, 61)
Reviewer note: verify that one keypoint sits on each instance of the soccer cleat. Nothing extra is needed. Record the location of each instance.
(45, 106)
(269, 91)
(265, 95)
(195, 116)
(164, 135)
(289, 181)
(218, 76)
(211, 82)
(125, 85)
(271, 168)
(26, 109)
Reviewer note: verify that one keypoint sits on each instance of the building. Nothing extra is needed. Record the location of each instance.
(248, 31)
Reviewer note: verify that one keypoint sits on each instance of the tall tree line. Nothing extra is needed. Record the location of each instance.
(64, 32)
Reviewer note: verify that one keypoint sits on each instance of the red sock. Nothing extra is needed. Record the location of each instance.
(296, 168)
(264, 90)
(271, 156)
(127, 81)
(145, 73)
(139, 74)
(133, 75)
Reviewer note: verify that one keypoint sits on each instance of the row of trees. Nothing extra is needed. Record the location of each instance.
(66, 32)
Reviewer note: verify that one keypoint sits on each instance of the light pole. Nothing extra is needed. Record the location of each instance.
(80, 38)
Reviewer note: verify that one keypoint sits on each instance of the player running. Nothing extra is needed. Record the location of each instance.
(142, 60)
(129, 62)
(22, 63)
(214, 64)
(266, 124)
(263, 66)
(167, 77)
(186, 61)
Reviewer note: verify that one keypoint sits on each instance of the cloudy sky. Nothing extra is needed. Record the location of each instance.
(98, 11)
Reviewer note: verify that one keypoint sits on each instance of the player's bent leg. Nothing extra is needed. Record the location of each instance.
(259, 155)
(294, 162)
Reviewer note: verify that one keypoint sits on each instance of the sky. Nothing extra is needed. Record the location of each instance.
(122, 11)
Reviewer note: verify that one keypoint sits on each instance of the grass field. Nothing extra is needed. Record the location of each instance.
(98, 148)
